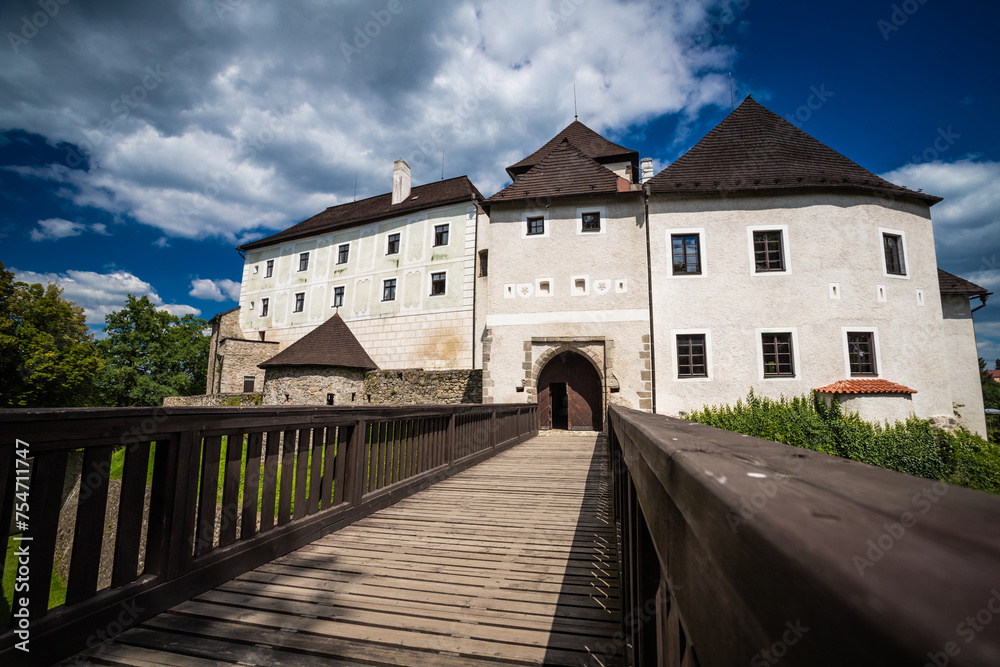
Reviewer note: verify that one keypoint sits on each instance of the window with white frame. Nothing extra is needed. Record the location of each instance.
(441, 234)
(300, 302)
(338, 297)
(303, 261)
(893, 253)
(343, 253)
(777, 354)
(439, 283)
(269, 271)
(392, 244)
(389, 289)
(263, 307)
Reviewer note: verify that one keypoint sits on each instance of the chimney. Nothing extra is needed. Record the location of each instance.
(400, 182)
(646, 169)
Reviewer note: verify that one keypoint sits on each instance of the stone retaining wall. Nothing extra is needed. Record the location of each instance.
(417, 386)
(214, 401)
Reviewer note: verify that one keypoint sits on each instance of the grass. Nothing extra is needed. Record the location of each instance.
(57, 589)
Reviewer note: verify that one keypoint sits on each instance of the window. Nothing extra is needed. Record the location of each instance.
(300, 302)
(686, 253)
(484, 256)
(861, 352)
(303, 261)
(592, 221)
(438, 284)
(691, 356)
(777, 355)
(248, 383)
(440, 235)
(270, 269)
(263, 307)
(895, 263)
(767, 251)
(536, 226)
(389, 289)
(393, 246)
(343, 252)
(338, 297)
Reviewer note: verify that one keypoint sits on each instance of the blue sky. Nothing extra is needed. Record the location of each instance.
(139, 145)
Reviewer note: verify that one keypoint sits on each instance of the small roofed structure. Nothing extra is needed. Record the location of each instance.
(950, 284)
(330, 345)
(325, 367)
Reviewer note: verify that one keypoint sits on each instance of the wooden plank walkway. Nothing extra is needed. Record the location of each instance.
(510, 562)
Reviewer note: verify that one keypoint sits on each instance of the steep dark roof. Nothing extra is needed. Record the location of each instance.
(439, 193)
(563, 172)
(589, 142)
(754, 149)
(329, 344)
(952, 284)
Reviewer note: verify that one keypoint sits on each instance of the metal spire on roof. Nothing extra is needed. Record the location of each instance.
(576, 115)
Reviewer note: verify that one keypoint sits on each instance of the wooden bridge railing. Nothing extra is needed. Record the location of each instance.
(204, 495)
(739, 551)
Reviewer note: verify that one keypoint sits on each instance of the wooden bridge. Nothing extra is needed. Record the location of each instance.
(455, 535)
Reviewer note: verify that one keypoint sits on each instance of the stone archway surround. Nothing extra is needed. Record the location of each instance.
(538, 352)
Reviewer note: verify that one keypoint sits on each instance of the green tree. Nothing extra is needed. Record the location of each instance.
(996, 366)
(151, 354)
(47, 354)
(991, 388)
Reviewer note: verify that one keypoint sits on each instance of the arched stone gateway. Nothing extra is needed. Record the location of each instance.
(570, 394)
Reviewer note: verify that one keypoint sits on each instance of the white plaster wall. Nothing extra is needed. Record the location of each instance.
(618, 313)
(831, 238)
(962, 361)
(446, 343)
(878, 408)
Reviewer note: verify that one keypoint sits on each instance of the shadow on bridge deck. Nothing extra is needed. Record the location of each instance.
(510, 562)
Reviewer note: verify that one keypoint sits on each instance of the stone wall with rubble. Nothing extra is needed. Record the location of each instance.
(215, 401)
(309, 385)
(416, 386)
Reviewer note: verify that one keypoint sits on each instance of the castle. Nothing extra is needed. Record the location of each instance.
(760, 259)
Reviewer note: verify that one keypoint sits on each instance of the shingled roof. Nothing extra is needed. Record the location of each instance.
(330, 344)
(755, 150)
(563, 172)
(949, 283)
(589, 142)
(439, 193)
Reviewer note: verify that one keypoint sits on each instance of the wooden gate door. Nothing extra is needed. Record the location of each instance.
(583, 393)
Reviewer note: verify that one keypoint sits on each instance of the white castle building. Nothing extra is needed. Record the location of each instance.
(760, 259)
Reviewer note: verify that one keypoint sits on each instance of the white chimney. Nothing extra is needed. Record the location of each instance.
(645, 169)
(400, 182)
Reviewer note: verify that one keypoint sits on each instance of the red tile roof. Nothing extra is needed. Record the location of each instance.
(589, 142)
(330, 344)
(565, 171)
(995, 375)
(865, 387)
(755, 150)
(952, 284)
(440, 193)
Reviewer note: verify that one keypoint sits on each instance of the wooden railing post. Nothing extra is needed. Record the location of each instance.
(450, 439)
(180, 506)
(356, 460)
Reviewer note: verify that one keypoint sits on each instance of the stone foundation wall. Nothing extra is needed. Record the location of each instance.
(417, 386)
(214, 401)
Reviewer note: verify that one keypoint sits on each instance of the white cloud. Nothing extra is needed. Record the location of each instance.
(215, 290)
(967, 222)
(100, 228)
(102, 293)
(229, 140)
(54, 229)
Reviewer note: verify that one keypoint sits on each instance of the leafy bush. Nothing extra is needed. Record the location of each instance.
(913, 447)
